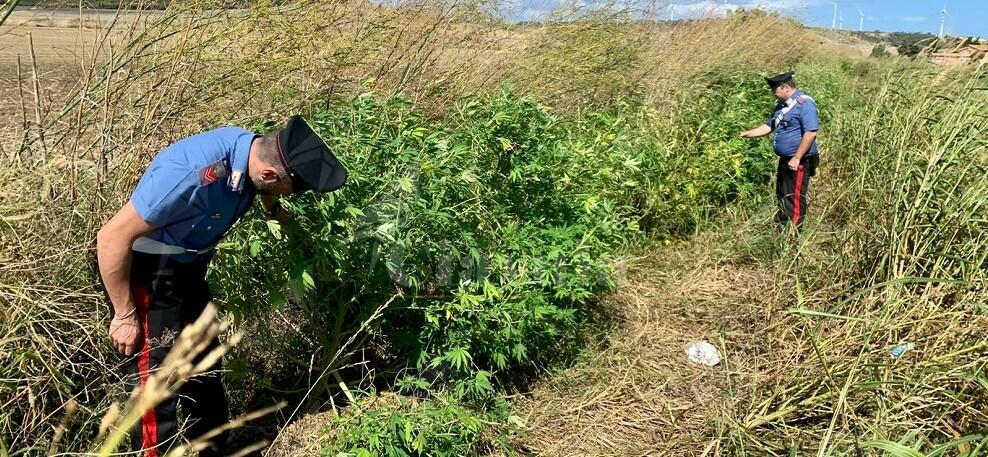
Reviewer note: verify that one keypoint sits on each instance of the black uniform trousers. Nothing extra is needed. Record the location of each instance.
(791, 188)
(169, 295)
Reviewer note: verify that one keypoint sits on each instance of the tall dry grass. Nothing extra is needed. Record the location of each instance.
(900, 258)
(67, 166)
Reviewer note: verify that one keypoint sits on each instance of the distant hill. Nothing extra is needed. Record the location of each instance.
(114, 4)
(97, 4)
(907, 43)
(896, 38)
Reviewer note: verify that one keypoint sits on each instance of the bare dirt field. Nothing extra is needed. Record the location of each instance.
(53, 47)
(63, 42)
(57, 53)
(61, 36)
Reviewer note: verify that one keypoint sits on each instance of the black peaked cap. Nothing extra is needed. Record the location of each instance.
(309, 161)
(778, 80)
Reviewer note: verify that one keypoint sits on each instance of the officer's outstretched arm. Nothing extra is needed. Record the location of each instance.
(113, 244)
(756, 132)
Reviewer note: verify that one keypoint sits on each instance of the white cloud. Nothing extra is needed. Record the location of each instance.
(527, 10)
(531, 14)
(913, 18)
(679, 9)
(712, 8)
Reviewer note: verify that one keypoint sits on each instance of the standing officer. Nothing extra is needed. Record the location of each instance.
(154, 252)
(795, 124)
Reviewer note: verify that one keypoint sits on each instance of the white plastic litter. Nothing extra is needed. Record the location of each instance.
(901, 349)
(703, 353)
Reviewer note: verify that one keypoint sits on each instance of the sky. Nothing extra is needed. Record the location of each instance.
(965, 17)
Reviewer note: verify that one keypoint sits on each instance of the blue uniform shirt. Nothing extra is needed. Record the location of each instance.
(195, 189)
(789, 131)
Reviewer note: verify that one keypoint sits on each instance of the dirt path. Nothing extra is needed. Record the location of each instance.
(638, 394)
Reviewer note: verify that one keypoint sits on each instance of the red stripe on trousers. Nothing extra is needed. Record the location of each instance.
(799, 192)
(149, 423)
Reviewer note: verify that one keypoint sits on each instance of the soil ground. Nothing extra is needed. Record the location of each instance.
(60, 42)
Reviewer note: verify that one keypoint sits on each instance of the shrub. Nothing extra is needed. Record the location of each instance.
(485, 236)
(399, 426)
(879, 52)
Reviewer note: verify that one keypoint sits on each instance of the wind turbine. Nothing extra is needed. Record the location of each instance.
(833, 26)
(943, 19)
(860, 24)
(841, 21)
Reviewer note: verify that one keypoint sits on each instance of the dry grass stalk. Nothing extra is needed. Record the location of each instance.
(332, 366)
(187, 358)
(637, 394)
(202, 442)
(902, 267)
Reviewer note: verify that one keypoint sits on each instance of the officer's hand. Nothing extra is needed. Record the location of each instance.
(125, 334)
(794, 164)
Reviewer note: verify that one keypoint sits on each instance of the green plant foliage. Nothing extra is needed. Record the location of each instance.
(879, 51)
(400, 426)
(966, 446)
(494, 226)
(488, 233)
(469, 223)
